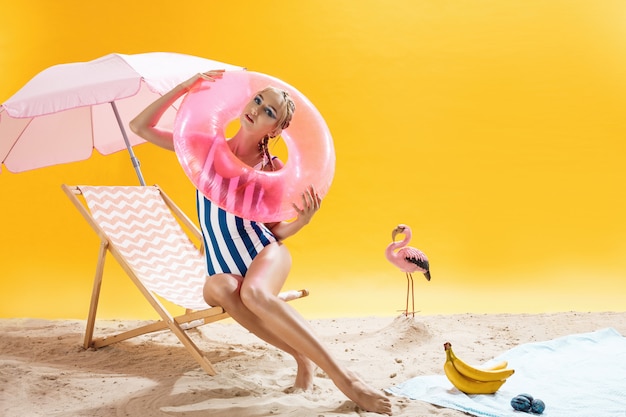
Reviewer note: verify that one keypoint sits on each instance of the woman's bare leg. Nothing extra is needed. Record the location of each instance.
(259, 310)
(223, 290)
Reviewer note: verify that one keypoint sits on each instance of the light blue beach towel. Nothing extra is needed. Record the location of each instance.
(581, 375)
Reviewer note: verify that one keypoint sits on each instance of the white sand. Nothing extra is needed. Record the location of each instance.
(44, 371)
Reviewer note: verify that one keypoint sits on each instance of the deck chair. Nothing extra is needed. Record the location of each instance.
(151, 238)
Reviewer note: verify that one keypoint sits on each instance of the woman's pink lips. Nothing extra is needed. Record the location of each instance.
(249, 119)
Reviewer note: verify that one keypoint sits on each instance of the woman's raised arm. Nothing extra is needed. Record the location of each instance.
(145, 123)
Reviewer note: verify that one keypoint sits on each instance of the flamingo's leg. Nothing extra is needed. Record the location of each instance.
(412, 296)
(406, 309)
(409, 294)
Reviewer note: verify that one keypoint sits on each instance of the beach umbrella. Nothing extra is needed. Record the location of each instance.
(67, 110)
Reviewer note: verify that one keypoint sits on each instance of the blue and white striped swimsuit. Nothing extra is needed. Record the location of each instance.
(230, 242)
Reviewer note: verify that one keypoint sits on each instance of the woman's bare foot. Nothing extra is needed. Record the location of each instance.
(366, 397)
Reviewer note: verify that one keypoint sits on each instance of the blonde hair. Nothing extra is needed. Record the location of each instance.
(283, 122)
(285, 117)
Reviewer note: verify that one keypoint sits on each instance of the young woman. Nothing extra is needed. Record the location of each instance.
(246, 282)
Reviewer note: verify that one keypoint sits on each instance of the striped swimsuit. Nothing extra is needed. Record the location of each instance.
(230, 242)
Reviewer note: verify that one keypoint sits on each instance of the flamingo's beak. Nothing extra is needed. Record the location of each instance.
(396, 231)
(427, 275)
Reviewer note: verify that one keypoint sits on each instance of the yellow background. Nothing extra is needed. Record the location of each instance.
(495, 129)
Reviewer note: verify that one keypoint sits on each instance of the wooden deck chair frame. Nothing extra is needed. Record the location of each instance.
(177, 324)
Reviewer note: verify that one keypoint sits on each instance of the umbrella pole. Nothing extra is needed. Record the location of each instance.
(134, 160)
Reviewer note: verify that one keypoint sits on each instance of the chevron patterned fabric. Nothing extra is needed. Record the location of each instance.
(142, 228)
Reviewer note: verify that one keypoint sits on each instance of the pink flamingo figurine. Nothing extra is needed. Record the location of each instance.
(408, 259)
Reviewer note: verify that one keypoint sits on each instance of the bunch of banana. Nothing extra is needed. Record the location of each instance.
(472, 380)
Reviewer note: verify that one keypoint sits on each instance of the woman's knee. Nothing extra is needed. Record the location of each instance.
(219, 289)
(256, 298)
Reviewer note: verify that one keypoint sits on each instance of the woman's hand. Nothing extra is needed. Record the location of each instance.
(212, 75)
(311, 202)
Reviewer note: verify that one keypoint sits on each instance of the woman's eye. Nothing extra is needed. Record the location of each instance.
(270, 113)
(257, 100)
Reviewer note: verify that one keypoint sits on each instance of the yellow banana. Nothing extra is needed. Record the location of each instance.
(498, 366)
(465, 384)
(470, 386)
(477, 374)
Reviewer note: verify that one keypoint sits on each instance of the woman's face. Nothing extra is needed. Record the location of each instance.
(260, 116)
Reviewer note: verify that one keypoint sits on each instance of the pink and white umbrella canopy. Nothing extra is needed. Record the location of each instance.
(67, 110)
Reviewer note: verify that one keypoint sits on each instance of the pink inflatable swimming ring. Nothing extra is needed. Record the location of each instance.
(202, 150)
